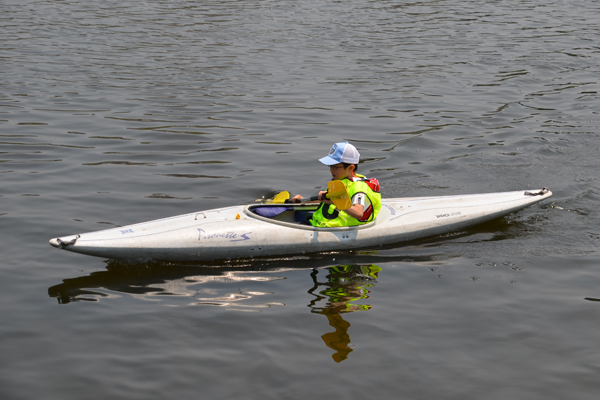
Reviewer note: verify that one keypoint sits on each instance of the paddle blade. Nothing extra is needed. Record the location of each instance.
(280, 198)
(338, 194)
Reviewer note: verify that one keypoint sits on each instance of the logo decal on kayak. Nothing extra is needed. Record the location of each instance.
(244, 237)
(232, 236)
(449, 214)
(392, 209)
(126, 231)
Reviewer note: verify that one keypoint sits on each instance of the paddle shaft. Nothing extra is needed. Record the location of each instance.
(337, 193)
(303, 200)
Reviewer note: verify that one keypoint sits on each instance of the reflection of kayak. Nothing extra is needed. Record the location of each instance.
(239, 232)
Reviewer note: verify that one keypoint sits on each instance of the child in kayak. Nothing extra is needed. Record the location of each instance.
(343, 162)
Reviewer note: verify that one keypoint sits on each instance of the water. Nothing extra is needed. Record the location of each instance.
(113, 113)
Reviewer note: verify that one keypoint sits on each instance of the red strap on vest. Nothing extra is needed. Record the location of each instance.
(367, 214)
(373, 184)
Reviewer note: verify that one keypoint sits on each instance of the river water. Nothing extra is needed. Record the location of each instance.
(116, 112)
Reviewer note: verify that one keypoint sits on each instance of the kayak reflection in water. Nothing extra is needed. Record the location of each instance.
(346, 285)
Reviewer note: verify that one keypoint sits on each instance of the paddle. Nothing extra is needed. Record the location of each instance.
(271, 212)
(336, 192)
(279, 198)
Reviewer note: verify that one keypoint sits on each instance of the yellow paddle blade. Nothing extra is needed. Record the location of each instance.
(281, 197)
(338, 194)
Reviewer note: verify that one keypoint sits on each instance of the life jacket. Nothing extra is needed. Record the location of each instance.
(328, 216)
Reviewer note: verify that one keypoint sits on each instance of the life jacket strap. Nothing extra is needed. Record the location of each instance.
(372, 183)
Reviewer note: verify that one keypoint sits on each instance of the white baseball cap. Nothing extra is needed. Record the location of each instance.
(342, 152)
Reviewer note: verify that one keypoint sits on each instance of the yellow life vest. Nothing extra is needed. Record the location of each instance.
(328, 216)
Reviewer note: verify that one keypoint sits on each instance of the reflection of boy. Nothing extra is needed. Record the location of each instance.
(345, 284)
(343, 162)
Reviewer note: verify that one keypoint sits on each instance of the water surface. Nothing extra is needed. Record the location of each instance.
(113, 113)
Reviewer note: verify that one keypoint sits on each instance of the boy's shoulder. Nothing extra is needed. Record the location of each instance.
(372, 183)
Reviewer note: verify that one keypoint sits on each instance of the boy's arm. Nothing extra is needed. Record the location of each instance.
(356, 211)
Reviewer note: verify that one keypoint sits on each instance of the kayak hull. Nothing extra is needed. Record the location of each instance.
(239, 232)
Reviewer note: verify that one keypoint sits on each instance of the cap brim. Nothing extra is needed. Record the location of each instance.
(328, 161)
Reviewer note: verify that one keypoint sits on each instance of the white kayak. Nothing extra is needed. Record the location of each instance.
(239, 232)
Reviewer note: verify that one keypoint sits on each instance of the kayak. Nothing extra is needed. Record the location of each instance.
(267, 230)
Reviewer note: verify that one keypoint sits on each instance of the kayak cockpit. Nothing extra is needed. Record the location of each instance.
(292, 215)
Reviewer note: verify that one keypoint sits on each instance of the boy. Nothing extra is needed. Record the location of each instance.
(343, 162)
